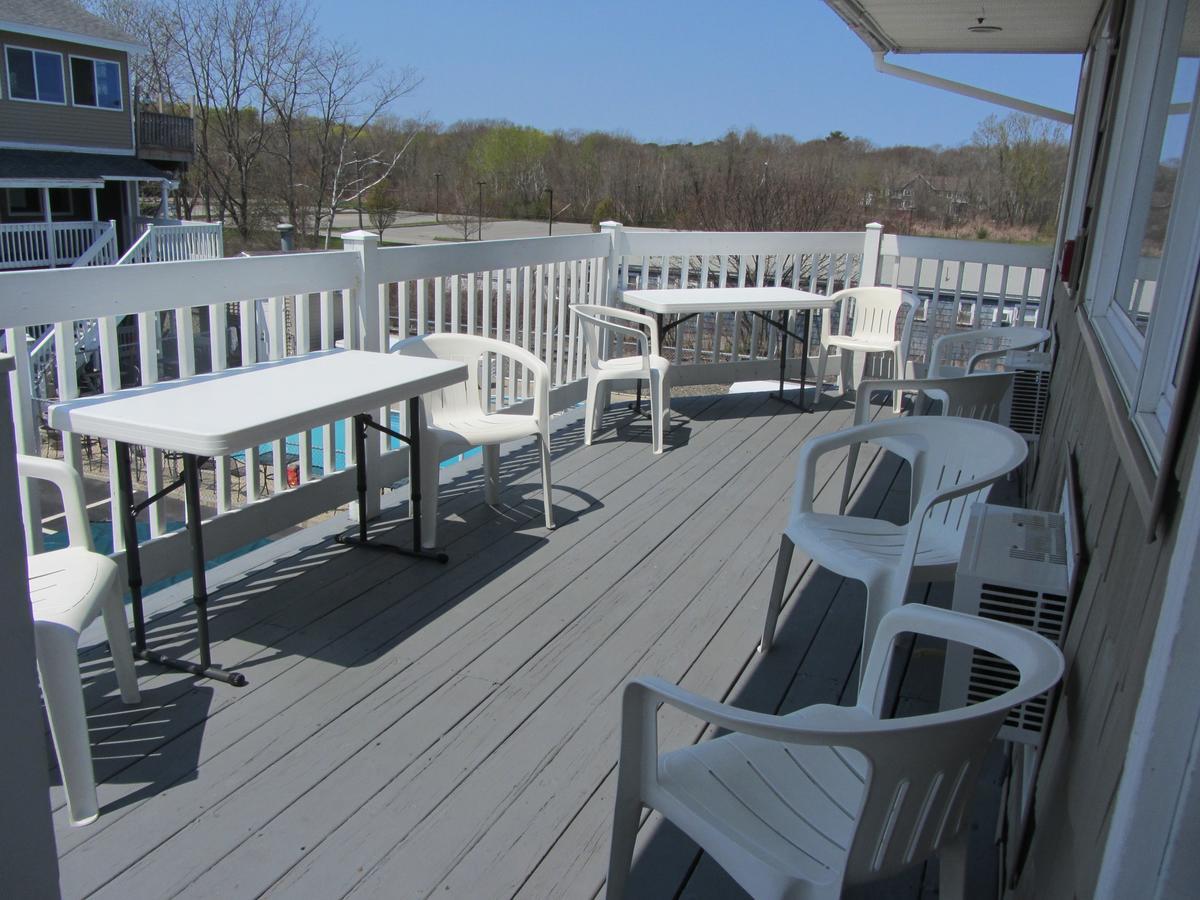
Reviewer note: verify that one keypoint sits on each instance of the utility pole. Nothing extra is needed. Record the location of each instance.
(481, 184)
(437, 197)
(550, 218)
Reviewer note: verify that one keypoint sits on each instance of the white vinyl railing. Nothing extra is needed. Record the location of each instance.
(103, 251)
(176, 242)
(25, 245)
(230, 312)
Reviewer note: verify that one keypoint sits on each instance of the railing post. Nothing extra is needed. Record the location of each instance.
(368, 336)
(27, 858)
(616, 241)
(870, 260)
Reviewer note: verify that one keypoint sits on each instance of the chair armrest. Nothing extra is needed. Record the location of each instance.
(812, 725)
(862, 402)
(541, 378)
(70, 486)
(814, 448)
(977, 358)
(646, 345)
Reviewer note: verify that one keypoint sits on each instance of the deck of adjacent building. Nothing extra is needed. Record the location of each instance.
(413, 729)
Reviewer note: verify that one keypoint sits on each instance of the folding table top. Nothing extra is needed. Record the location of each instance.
(682, 301)
(224, 412)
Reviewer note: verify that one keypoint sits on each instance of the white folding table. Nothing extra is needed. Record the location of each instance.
(225, 412)
(687, 303)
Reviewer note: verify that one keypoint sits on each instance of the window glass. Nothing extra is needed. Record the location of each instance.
(24, 202)
(35, 75)
(108, 85)
(83, 82)
(1167, 148)
(49, 77)
(95, 82)
(22, 83)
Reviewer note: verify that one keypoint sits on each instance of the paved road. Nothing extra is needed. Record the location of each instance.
(420, 228)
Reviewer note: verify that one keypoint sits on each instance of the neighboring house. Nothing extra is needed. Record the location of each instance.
(1116, 807)
(936, 195)
(74, 150)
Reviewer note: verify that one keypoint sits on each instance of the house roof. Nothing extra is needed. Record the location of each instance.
(918, 26)
(64, 20)
(44, 168)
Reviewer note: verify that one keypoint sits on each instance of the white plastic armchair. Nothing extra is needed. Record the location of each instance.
(867, 324)
(961, 352)
(69, 588)
(955, 462)
(648, 365)
(802, 805)
(460, 416)
(967, 397)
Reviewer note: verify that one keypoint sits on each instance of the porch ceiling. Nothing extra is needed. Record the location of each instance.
(940, 26)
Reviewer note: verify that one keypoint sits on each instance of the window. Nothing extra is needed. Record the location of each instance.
(95, 82)
(35, 75)
(1142, 266)
(26, 203)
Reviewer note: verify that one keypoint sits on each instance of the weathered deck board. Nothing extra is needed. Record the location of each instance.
(413, 729)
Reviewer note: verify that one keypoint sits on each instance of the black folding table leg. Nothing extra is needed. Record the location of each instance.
(361, 423)
(191, 475)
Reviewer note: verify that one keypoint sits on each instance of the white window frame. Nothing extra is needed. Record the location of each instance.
(36, 86)
(95, 82)
(1144, 366)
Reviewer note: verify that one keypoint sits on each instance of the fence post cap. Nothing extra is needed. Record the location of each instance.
(360, 237)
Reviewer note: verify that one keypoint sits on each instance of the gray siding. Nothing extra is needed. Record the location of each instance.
(1110, 636)
(67, 126)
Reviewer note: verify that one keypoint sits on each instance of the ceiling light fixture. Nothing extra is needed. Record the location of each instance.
(980, 27)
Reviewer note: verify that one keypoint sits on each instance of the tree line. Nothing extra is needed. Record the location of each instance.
(293, 125)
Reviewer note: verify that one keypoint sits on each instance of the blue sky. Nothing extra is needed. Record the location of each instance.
(666, 70)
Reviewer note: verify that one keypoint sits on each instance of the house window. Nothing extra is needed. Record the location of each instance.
(95, 82)
(35, 75)
(1142, 267)
(26, 203)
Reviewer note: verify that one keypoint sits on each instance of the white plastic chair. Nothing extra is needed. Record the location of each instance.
(69, 588)
(955, 462)
(459, 417)
(967, 397)
(867, 324)
(648, 365)
(800, 805)
(961, 352)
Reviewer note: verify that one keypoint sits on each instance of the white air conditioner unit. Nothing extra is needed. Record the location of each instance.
(1025, 409)
(1013, 569)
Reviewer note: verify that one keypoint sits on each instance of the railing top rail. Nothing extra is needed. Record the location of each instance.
(59, 295)
(635, 242)
(1033, 255)
(439, 260)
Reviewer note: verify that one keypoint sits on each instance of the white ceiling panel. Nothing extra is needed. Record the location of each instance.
(941, 26)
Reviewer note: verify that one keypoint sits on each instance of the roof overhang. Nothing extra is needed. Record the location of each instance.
(57, 34)
(941, 26)
(38, 168)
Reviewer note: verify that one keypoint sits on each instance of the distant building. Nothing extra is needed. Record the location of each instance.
(74, 148)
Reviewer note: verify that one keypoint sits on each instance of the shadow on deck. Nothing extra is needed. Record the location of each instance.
(411, 728)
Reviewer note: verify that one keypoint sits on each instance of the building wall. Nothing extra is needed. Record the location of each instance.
(23, 122)
(1110, 635)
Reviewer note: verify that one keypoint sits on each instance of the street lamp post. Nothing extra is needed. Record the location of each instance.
(481, 184)
(437, 197)
(550, 217)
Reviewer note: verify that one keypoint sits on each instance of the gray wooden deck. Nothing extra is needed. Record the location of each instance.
(412, 729)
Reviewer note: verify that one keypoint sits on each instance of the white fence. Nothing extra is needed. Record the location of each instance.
(25, 245)
(228, 312)
(176, 242)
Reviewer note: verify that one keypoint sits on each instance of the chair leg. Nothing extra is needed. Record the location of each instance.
(848, 481)
(846, 367)
(898, 398)
(430, 474)
(491, 474)
(58, 668)
(952, 868)
(822, 362)
(883, 596)
(658, 409)
(116, 627)
(627, 815)
(547, 498)
(589, 412)
(782, 565)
